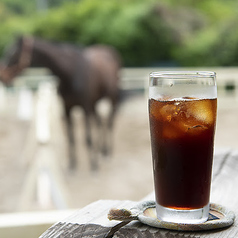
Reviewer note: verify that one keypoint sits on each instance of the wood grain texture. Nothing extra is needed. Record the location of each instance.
(91, 221)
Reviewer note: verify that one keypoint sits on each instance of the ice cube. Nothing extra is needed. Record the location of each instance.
(202, 111)
(169, 111)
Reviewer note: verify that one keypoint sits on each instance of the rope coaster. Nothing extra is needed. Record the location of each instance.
(145, 212)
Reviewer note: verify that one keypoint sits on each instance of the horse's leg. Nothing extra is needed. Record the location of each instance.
(71, 140)
(101, 133)
(108, 130)
(89, 140)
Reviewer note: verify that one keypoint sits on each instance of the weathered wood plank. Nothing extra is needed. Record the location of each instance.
(224, 186)
(91, 221)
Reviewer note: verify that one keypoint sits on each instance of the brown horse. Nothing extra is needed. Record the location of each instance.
(85, 76)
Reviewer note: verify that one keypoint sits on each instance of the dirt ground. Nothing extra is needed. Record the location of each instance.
(29, 171)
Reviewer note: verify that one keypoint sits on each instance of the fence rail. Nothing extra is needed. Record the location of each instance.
(131, 78)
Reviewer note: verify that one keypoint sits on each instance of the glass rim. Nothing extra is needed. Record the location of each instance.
(183, 74)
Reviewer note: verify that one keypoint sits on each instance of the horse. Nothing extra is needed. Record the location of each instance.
(85, 75)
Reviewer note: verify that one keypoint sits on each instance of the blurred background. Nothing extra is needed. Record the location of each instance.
(149, 35)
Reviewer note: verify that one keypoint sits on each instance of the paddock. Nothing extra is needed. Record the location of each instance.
(33, 154)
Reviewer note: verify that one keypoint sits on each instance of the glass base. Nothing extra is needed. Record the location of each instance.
(194, 216)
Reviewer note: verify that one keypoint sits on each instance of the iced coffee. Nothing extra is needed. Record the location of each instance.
(182, 113)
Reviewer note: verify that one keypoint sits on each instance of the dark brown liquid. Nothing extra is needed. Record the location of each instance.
(182, 137)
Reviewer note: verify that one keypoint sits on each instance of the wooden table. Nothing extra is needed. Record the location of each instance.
(92, 221)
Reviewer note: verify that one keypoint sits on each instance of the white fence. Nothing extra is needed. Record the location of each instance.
(131, 78)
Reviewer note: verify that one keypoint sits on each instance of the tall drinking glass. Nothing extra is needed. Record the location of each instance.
(182, 113)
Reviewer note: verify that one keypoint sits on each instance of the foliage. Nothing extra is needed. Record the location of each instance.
(140, 30)
(222, 47)
(27, 7)
(188, 32)
(11, 30)
(123, 24)
(216, 44)
(18, 7)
